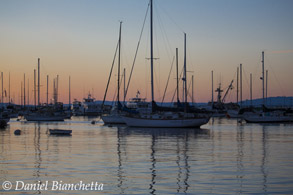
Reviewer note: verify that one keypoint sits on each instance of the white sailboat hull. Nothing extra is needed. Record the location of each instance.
(167, 123)
(113, 119)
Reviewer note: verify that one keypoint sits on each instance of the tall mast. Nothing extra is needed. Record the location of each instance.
(47, 89)
(9, 89)
(21, 94)
(2, 101)
(177, 79)
(263, 79)
(57, 88)
(35, 96)
(39, 81)
(240, 85)
(54, 90)
(69, 101)
(266, 86)
(24, 91)
(28, 91)
(192, 90)
(183, 89)
(212, 87)
(250, 89)
(152, 56)
(124, 77)
(237, 90)
(185, 78)
(119, 53)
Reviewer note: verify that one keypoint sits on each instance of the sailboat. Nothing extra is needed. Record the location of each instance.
(267, 115)
(115, 115)
(45, 115)
(53, 112)
(165, 119)
(4, 117)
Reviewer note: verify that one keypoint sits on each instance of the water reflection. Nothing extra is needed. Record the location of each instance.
(226, 157)
(240, 156)
(264, 158)
(153, 166)
(161, 143)
(38, 153)
(120, 171)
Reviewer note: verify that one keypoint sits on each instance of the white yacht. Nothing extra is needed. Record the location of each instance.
(91, 108)
(77, 108)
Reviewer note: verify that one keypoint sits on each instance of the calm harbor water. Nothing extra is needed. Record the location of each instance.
(223, 157)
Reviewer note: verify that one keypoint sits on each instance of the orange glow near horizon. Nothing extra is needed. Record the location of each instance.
(84, 81)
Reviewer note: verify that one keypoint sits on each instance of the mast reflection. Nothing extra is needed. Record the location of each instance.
(38, 153)
(264, 158)
(160, 142)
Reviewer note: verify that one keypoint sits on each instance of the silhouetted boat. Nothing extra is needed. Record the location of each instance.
(114, 117)
(268, 115)
(47, 113)
(60, 132)
(166, 118)
(91, 108)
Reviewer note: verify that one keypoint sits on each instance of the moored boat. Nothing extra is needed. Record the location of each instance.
(60, 132)
(45, 117)
(113, 119)
(166, 119)
(268, 115)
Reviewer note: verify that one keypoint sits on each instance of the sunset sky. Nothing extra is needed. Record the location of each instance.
(77, 38)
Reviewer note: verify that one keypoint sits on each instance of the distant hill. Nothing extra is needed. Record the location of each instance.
(280, 101)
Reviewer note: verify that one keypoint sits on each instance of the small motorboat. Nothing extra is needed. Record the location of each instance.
(60, 132)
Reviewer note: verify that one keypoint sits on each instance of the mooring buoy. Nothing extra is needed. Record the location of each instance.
(17, 132)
